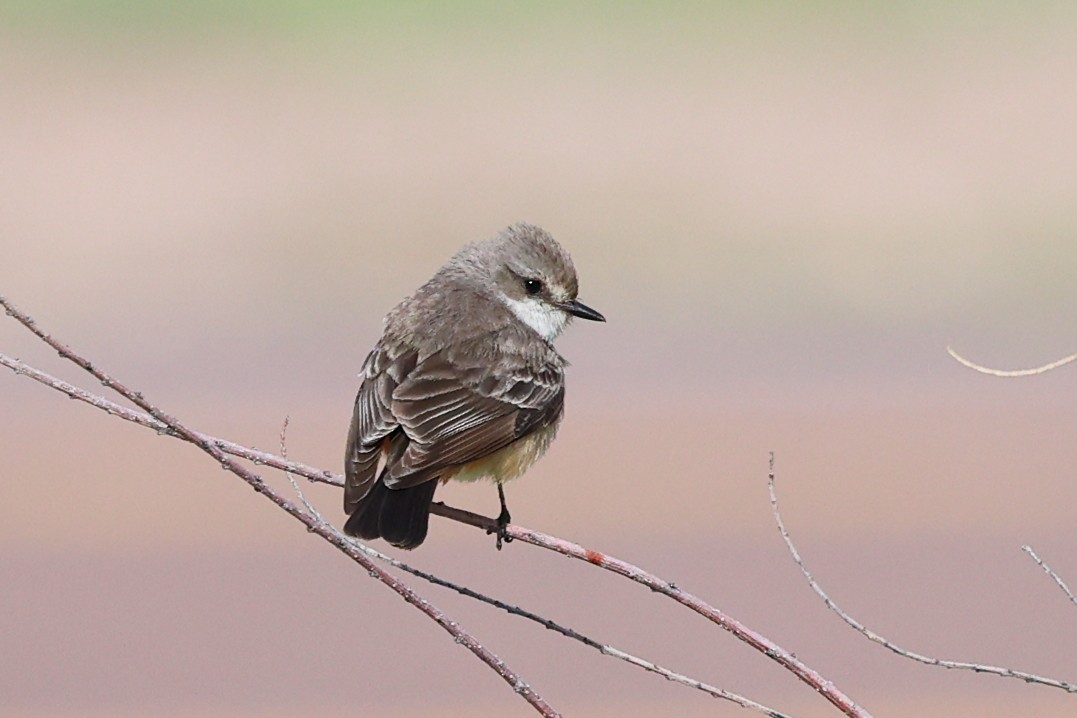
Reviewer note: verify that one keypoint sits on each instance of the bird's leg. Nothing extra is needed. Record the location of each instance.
(502, 519)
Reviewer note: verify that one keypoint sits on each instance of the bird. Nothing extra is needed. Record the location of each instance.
(464, 383)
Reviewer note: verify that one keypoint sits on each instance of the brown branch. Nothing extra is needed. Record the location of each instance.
(567, 548)
(756, 640)
(871, 635)
(291, 468)
(321, 528)
(536, 538)
(659, 585)
(604, 648)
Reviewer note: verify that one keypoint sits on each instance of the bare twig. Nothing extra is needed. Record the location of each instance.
(1011, 372)
(605, 649)
(871, 635)
(536, 538)
(667, 588)
(1058, 579)
(313, 524)
(291, 468)
(291, 477)
(756, 640)
(276, 461)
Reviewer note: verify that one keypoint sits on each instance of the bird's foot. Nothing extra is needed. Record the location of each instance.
(503, 520)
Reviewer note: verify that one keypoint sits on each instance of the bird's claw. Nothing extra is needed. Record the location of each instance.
(502, 531)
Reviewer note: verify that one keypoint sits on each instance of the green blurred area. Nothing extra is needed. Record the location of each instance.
(691, 17)
(293, 17)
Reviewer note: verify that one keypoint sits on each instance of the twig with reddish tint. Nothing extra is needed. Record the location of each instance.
(769, 648)
(291, 468)
(514, 610)
(756, 640)
(873, 636)
(659, 585)
(603, 648)
(326, 531)
(1058, 579)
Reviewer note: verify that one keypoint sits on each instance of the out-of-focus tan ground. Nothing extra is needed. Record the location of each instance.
(786, 217)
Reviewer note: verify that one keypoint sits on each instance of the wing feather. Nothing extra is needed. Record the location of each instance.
(422, 415)
(487, 408)
(372, 423)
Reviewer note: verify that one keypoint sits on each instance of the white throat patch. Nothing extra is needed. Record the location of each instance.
(545, 319)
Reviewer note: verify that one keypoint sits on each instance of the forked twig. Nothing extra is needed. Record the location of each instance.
(882, 641)
(218, 448)
(659, 585)
(311, 473)
(514, 610)
(604, 648)
(313, 524)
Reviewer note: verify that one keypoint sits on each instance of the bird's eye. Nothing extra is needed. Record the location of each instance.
(532, 286)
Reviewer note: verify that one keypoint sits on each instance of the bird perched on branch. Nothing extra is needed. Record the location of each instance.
(464, 384)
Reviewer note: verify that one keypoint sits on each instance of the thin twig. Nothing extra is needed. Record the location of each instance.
(291, 477)
(291, 468)
(1009, 373)
(623, 568)
(321, 528)
(603, 648)
(311, 473)
(756, 640)
(1058, 579)
(761, 643)
(871, 635)
(314, 474)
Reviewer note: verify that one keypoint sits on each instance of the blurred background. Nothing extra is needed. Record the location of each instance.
(786, 212)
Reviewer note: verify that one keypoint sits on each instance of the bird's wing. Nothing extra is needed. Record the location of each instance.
(372, 419)
(459, 406)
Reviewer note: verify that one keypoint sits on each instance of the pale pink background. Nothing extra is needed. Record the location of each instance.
(786, 217)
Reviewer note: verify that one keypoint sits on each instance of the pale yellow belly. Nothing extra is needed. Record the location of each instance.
(508, 463)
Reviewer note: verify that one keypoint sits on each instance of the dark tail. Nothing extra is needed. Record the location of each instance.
(400, 516)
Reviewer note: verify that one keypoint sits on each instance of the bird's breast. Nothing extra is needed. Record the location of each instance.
(508, 463)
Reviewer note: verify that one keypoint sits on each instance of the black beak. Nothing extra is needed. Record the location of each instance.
(581, 310)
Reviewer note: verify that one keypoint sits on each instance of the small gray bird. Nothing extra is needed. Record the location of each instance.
(464, 384)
